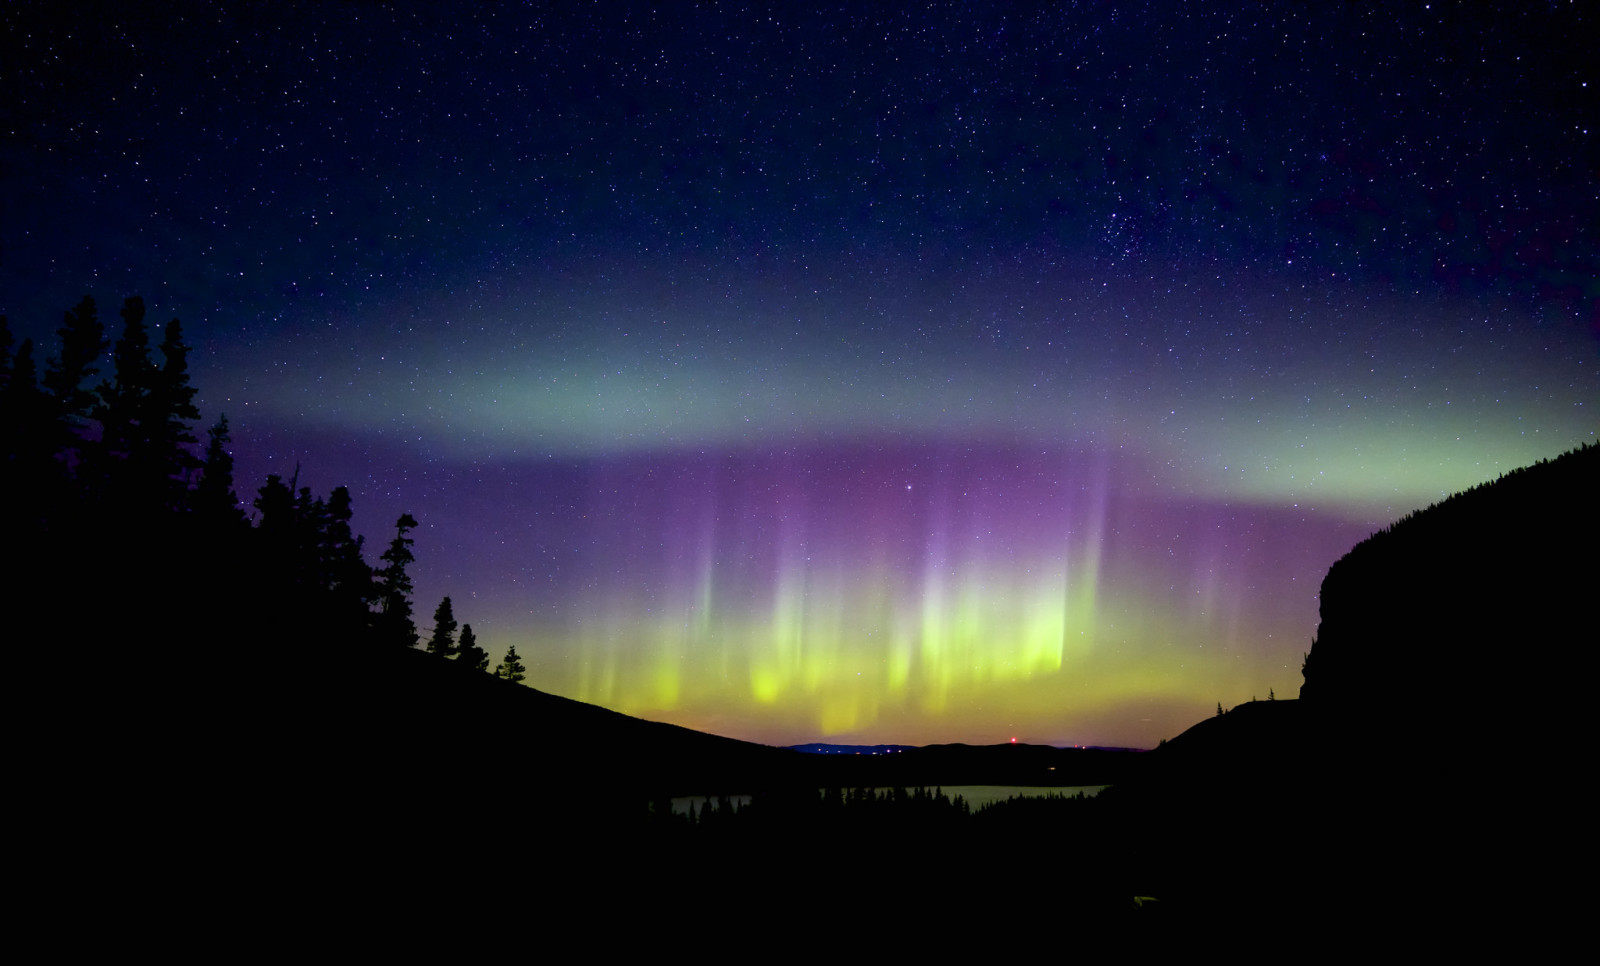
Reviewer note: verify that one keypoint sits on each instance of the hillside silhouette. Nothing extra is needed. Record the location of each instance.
(1424, 778)
(238, 707)
(1460, 604)
(1418, 784)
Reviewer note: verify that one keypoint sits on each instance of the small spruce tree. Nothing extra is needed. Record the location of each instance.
(394, 616)
(214, 498)
(443, 642)
(342, 571)
(122, 459)
(172, 412)
(469, 654)
(511, 668)
(83, 342)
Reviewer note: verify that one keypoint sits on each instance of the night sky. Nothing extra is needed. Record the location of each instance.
(940, 373)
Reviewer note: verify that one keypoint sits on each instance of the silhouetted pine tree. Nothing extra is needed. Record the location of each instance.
(280, 545)
(394, 618)
(470, 654)
(171, 415)
(274, 503)
(309, 561)
(83, 342)
(214, 500)
(108, 472)
(511, 668)
(124, 412)
(145, 411)
(442, 643)
(343, 574)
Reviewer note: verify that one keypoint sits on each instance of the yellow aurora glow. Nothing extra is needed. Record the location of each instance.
(977, 647)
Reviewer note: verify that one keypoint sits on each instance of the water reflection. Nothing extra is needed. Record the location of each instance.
(977, 796)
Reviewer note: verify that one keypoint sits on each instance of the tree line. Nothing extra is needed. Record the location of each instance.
(101, 474)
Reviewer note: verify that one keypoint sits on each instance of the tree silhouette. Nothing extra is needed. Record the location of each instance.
(470, 654)
(124, 407)
(511, 668)
(214, 497)
(145, 412)
(394, 618)
(83, 341)
(283, 540)
(96, 468)
(172, 411)
(341, 570)
(442, 644)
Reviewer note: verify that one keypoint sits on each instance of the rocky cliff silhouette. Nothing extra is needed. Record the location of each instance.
(1467, 608)
(1426, 779)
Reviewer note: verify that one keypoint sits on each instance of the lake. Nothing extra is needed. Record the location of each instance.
(977, 796)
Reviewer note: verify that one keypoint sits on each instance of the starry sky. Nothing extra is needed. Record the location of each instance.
(887, 373)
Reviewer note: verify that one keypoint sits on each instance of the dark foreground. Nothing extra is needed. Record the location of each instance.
(386, 802)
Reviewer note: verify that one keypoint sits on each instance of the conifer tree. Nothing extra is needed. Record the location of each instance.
(280, 538)
(511, 668)
(82, 343)
(343, 573)
(145, 413)
(442, 644)
(275, 502)
(394, 618)
(214, 497)
(172, 411)
(470, 654)
(124, 406)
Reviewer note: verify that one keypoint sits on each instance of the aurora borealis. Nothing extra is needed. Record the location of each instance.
(906, 375)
